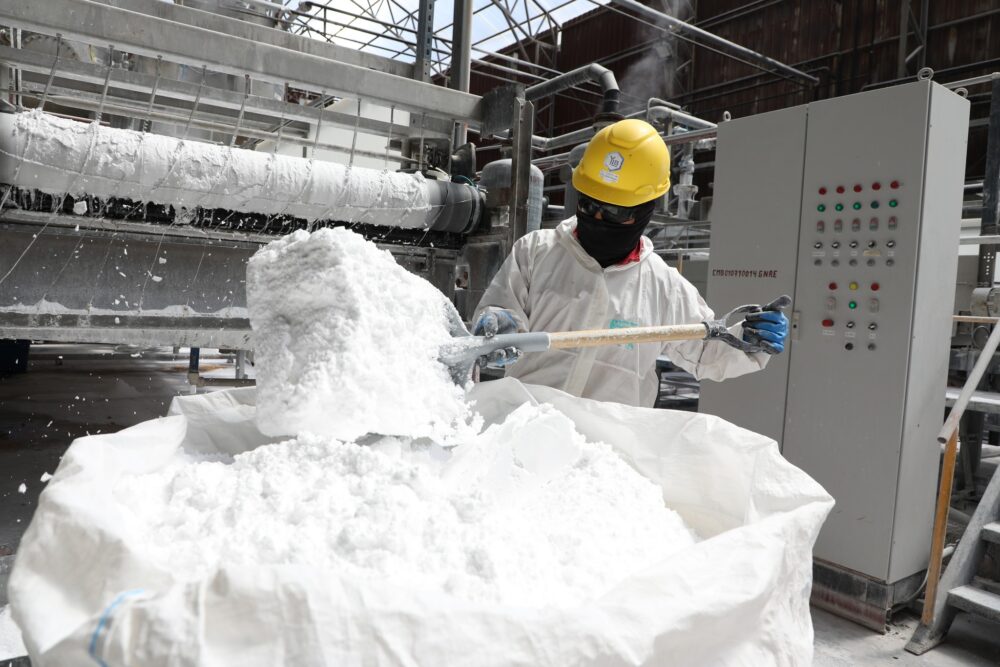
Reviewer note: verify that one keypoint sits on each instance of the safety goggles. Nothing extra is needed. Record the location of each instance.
(609, 212)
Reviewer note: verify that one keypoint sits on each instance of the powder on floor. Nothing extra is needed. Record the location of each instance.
(347, 341)
(65, 156)
(11, 645)
(526, 513)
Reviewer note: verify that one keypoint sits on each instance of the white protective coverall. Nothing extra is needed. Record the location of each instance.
(550, 283)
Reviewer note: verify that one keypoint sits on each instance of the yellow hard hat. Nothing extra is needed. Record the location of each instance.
(625, 164)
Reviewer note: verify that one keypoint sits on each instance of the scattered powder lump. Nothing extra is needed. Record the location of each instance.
(384, 475)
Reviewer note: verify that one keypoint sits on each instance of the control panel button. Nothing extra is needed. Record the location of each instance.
(857, 187)
(839, 206)
(827, 323)
(834, 262)
(871, 346)
(890, 262)
(856, 225)
(856, 206)
(870, 261)
(831, 303)
(873, 305)
(832, 286)
(853, 286)
(849, 346)
(853, 262)
(876, 186)
(820, 226)
(893, 203)
(840, 189)
(822, 191)
(852, 305)
(821, 208)
(873, 224)
(875, 287)
(893, 222)
(894, 185)
(838, 225)
(875, 203)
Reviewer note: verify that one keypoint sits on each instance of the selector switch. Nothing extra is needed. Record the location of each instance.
(850, 325)
(890, 244)
(854, 244)
(835, 244)
(872, 244)
(818, 245)
(872, 326)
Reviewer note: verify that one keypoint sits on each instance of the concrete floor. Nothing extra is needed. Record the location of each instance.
(841, 643)
(70, 391)
(95, 388)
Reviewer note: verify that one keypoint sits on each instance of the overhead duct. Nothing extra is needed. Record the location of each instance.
(59, 156)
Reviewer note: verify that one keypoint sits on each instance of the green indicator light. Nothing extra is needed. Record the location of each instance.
(875, 204)
(839, 207)
(852, 305)
(856, 205)
(821, 208)
(893, 203)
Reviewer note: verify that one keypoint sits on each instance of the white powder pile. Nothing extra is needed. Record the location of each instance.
(347, 341)
(65, 156)
(11, 645)
(526, 513)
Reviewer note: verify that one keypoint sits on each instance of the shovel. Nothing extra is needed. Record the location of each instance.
(462, 353)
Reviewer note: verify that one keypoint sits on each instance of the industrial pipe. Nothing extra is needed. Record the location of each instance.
(687, 120)
(700, 35)
(59, 156)
(591, 72)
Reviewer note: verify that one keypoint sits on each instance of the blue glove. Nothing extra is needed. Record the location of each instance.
(490, 324)
(768, 328)
(494, 322)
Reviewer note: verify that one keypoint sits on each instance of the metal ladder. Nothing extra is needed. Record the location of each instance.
(960, 589)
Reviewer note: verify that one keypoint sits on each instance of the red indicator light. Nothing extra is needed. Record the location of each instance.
(827, 323)
(875, 287)
(876, 186)
(857, 188)
(840, 189)
(833, 286)
(822, 191)
(894, 185)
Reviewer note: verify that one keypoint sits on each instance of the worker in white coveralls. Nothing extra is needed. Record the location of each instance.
(596, 270)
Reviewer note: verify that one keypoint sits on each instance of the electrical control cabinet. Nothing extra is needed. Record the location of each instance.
(851, 206)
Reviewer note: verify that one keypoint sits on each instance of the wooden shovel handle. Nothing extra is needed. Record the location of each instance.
(596, 337)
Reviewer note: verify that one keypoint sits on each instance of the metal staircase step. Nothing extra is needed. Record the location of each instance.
(987, 585)
(991, 532)
(976, 601)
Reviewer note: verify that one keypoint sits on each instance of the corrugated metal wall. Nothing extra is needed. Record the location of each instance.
(848, 44)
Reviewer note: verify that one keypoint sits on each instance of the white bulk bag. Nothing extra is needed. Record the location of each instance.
(82, 594)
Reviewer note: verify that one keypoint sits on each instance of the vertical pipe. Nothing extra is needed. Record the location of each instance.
(904, 30)
(461, 57)
(991, 191)
(521, 168)
(940, 527)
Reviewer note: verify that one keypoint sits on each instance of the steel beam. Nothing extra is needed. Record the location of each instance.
(425, 41)
(69, 71)
(97, 23)
(262, 34)
(705, 37)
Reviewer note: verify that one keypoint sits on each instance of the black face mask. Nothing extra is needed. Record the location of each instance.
(611, 242)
